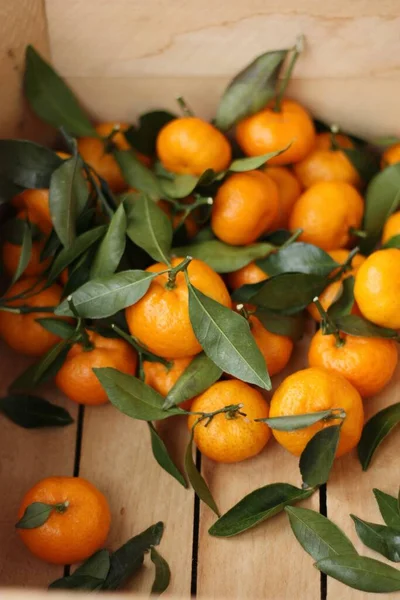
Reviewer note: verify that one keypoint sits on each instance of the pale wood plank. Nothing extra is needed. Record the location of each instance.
(117, 457)
(350, 489)
(267, 561)
(26, 456)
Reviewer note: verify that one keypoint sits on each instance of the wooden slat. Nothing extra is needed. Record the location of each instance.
(267, 561)
(26, 457)
(117, 457)
(350, 489)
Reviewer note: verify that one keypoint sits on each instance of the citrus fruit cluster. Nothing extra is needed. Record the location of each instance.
(170, 267)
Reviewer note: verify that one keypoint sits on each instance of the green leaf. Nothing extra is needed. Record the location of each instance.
(68, 195)
(364, 161)
(380, 538)
(100, 298)
(198, 376)
(59, 327)
(25, 164)
(345, 302)
(112, 246)
(51, 99)
(79, 272)
(162, 575)
(89, 576)
(374, 432)
(295, 422)
(226, 338)
(26, 251)
(196, 479)
(67, 255)
(161, 454)
(291, 326)
(144, 137)
(287, 293)
(317, 457)
(358, 326)
(149, 228)
(250, 90)
(222, 257)
(385, 140)
(180, 186)
(394, 242)
(389, 509)
(319, 536)
(133, 397)
(241, 165)
(128, 558)
(46, 368)
(361, 573)
(137, 175)
(298, 258)
(31, 412)
(256, 507)
(381, 200)
(35, 515)
(14, 229)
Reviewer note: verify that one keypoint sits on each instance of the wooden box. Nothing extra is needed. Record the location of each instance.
(121, 58)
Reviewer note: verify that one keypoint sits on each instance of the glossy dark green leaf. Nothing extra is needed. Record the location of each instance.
(196, 479)
(319, 536)
(149, 228)
(250, 90)
(51, 98)
(295, 422)
(386, 140)
(180, 186)
(35, 515)
(137, 175)
(389, 508)
(361, 573)
(394, 242)
(358, 326)
(143, 137)
(374, 432)
(291, 326)
(112, 246)
(60, 327)
(345, 300)
(13, 231)
(100, 298)
(380, 538)
(32, 412)
(241, 165)
(226, 338)
(163, 573)
(133, 397)
(25, 164)
(256, 507)
(43, 370)
(381, 200)
(222, 257)
(287, 293)
(51, 246)
(79, 272)
(198, 376)
(317, 457)
(89, 576)
(364, 161)
(298, 258)
(128, 558)
(26, 251)
(162, 456)
(67, 255)
(68, 195)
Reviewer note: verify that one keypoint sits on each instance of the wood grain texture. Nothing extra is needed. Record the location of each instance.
(117, 457)
(264, 562)
(26, 457)
(350, 489)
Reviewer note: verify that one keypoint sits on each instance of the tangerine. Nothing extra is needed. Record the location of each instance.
(289, 190)
(162, 378)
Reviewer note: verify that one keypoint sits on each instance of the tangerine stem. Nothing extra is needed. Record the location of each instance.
(61, 507)
(172, 273)
(297, 49)
(328, 324)
(243, 311)
(232, 410)
(187, 111)
(296, 234)
(358, 233)
(83, 337)
(334, 142)
(345, 266)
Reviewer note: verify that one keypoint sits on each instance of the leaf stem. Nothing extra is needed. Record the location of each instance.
(61, 507)
(334, 142)
(328, 326)
(296, 234)
(297, 49)
(231, 411)
(83, 336)
(187, 111)
(358, 233)
(243, 311)
(171, 283)
(346, 266)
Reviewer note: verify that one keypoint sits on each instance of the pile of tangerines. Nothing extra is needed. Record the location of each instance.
(305, 196)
